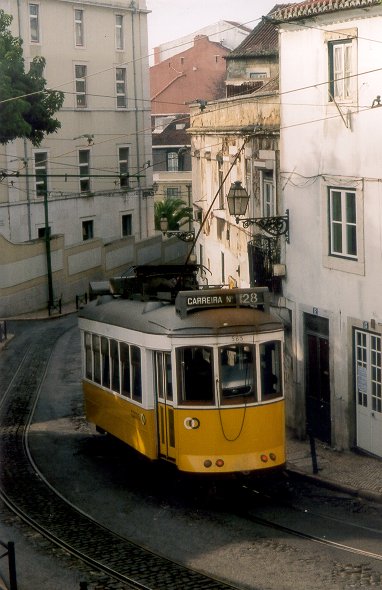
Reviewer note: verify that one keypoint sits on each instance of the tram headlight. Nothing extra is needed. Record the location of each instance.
(272, 456)
(207, 463)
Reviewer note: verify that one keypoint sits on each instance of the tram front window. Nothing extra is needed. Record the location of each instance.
(195, 374)
(270, 362)
(237, 374)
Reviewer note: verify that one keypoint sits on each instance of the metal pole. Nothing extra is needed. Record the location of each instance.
(313, 451)
(48, 253)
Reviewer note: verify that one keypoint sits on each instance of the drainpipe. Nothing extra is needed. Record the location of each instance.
(27, 185)
(134, 12)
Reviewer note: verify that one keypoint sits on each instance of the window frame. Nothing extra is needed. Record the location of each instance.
(119, 33)
(172, 161)
(123, 166)
(78, 82)
(339, 228)
(125, 232)
(84, 177)
(121, 83)
(87, 235)
(37, 167)
(79, 28)
(36, 18)
(268, 194)
(342, 78)
(341, 263)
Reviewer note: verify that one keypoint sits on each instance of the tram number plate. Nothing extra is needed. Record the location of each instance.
(209, 298)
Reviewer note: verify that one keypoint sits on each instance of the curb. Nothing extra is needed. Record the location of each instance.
(337, 486)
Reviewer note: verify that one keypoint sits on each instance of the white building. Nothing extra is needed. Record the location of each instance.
(330, 169)
(97, 168)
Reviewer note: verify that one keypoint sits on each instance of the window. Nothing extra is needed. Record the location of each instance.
(368, 359)
(131, 377)
(270, 370)
(114, 365)
(172, 162)
(237, 379)
(163, 376)
(79, 28)
(88, 229)
(34, 23)
(41, 170)
(84, 166)
(120, 83)
(123, 165)
(119, 41)
(341, 70)
(269, 201)
(127, 225)
(342, 223)
(195, 374)
(41, 232)
(172, 192)
(80, 81)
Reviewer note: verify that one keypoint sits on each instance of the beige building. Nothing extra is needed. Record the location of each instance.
(96, 171)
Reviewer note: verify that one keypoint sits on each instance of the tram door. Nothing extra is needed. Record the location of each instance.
(165, 405)
(318, 411)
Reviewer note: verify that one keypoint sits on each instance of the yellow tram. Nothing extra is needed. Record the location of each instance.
(193, 376)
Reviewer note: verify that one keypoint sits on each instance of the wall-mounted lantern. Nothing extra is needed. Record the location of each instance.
(185, 236)
(238, 199)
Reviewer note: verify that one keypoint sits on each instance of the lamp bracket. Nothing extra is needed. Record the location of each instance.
(274, 226)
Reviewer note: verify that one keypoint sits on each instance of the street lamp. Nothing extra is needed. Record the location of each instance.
(237, 200)
(185, 236)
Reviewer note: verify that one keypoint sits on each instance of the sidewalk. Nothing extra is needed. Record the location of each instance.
(350, 472)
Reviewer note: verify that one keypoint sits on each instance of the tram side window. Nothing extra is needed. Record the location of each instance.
(114, 369)
(125, 369)
(88, 356)
(270, 363)
(136, 373)
(105, 362)
(195, 374)
(237, 374)
(96, 359)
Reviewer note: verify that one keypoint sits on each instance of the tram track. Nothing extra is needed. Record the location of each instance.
(248, 515)
(121, 563)
(26, 493)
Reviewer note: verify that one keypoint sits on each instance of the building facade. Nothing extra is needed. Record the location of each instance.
(330, 170)
(93, 174)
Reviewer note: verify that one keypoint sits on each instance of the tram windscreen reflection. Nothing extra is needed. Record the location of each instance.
(237, 373)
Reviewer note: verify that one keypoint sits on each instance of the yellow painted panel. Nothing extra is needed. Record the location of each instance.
(130, 423)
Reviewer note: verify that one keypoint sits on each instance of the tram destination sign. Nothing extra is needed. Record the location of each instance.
(187, 301)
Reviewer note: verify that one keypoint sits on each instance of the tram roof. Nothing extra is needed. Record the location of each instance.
(155, 317)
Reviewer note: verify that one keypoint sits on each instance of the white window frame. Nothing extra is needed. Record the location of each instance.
(342, 222)
(123, 166)
(120, 88)
(80, 86)
(40, 166)
(269, 208)
(84, 171)
(368, 370)
(342, 62)
(79, 28)
(355, 265)
(119, 32)
(36, 19)
(172, 161)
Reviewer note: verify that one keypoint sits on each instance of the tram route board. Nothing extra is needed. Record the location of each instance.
(187, 301)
